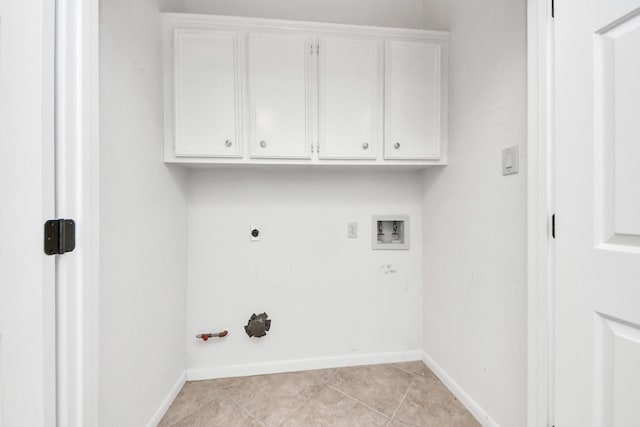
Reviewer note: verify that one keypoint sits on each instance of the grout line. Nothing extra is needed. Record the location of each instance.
(332, 376)
(324, 382)
(243, 407)
(190, 413)
(248, 412)
(402, 370)
(357, 400)
(208, 402)
(301, 403)
(407, 371)
(401, 402)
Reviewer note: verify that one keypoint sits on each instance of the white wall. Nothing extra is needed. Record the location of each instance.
(142, 224)
(475, 219)
(392, 13)
(171, 5)
(328, 296)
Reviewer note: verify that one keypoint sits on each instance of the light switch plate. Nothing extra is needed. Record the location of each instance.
(510, 163)
(352, 230)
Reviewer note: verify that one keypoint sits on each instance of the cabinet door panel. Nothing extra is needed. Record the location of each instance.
(207, 105)
(412, 114)
(279, 92)
(349, 90)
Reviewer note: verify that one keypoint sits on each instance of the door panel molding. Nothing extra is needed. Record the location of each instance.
(617, 101)
(617, 352)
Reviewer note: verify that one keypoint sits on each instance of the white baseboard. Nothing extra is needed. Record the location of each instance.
(459, 393)
(301, 365)
(155, 420)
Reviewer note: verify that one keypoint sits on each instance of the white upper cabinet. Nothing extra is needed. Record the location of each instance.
(269, 92)
(279, 95)
(350, 87)
(206, 114)
(413, 103)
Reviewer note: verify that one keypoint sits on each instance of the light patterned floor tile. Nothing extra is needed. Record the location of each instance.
(330, 408)
(219, 413)
(196, 394)
(417, 368)
(328, 397)
(379, 386)
(430, 404)
(271, 398)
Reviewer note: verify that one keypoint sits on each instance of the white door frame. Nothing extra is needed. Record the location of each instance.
(77, 196)
(540, 248)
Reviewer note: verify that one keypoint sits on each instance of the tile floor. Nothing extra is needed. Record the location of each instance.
(401, 394)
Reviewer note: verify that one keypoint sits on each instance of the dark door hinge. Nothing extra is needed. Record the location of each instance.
(59, 236)
(553, 8)
(553, 226)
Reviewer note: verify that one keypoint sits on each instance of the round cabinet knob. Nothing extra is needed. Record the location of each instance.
(396, 145)
(263, 144)
(365, 145)
(228, 143)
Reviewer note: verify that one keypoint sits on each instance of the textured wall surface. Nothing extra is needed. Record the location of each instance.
(177, 260)
(329, 296)
(142, 224)
(391, 13)
(474, 224)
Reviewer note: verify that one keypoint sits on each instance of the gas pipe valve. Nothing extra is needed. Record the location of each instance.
(205, 337)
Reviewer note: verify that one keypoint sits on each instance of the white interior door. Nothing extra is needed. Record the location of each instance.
(349, 98)
(27, 282)
(207, 94)
(280, 95)
(597, 137)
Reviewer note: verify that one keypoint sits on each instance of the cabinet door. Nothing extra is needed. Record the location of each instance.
(206, 94)
(412, 104)
(279, 95)
(350, 98)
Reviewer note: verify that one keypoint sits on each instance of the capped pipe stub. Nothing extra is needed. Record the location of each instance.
(258, 325)
(206, 336)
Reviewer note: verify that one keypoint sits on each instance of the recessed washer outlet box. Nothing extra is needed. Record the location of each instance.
(390, 232)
